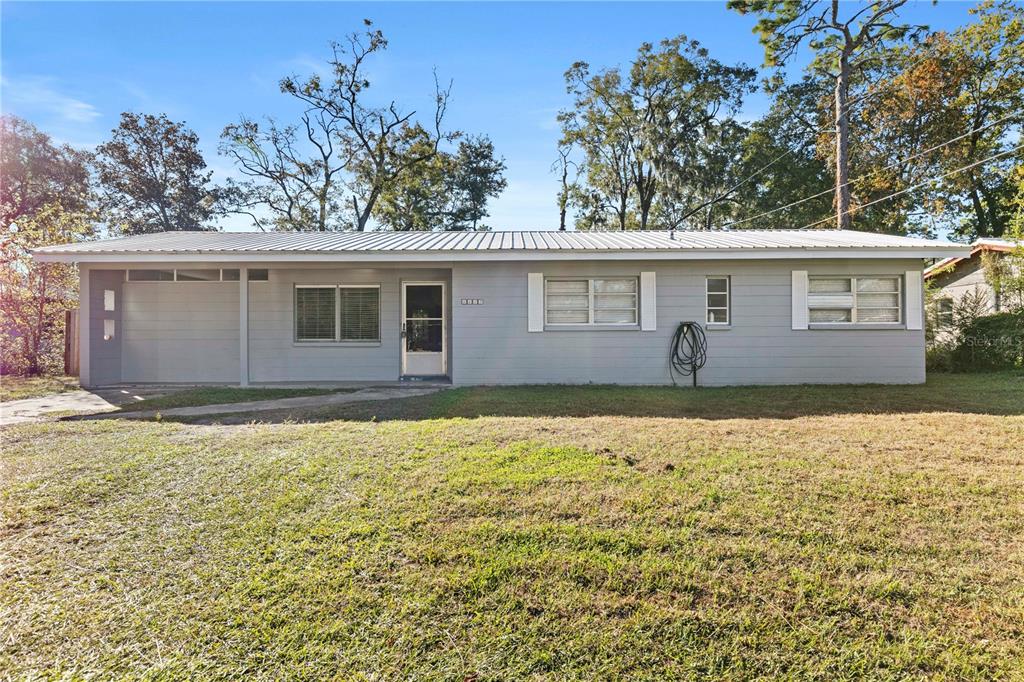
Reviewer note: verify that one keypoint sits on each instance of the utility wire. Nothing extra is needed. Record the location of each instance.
(913, 187)
(830, 190)
(846, 112)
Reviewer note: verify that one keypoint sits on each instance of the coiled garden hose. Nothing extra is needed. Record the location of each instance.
(689, 351)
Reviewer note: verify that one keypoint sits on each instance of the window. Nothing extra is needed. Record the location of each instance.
(337, 313)
(360, 313)
(944, 313)
(197, 275)
(108, 299)
(591, 301)
(851, 300)
(151, 275)
(108, 330)
(229, 274)
(259, 275)
(718, 292)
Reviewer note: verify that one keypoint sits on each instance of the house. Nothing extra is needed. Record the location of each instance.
(500, 307)
(955, 277)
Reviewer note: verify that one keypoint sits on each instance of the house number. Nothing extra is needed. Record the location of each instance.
(472, 301)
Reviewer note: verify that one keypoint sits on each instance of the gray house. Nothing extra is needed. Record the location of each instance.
(500, 307)
(957, 277)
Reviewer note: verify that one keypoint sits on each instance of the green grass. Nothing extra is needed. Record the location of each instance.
(804, 533)
(21, 388)
(220, 394)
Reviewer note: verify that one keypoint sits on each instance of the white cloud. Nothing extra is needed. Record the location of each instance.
(39, 95)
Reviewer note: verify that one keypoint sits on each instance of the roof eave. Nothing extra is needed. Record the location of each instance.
(750, 253)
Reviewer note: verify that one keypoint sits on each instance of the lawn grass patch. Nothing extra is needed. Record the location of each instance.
(836, 544)
(221, 394)
(23, 388)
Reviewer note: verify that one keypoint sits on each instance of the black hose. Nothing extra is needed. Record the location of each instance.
(689, 351)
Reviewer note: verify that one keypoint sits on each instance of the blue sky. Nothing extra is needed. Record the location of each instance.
(71, 68)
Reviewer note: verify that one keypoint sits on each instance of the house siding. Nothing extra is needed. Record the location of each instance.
(492, 344)
(189, 331)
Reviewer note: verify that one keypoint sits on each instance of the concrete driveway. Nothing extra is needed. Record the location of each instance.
(96, 401)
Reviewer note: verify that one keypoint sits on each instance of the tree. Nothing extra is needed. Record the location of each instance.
(378, 138)
(564, 166)
(638, 132)
(35, 172)
(449, 192)
(781, 163)
(300, 185)
(34, 296)
(153, 177)
(843, 47)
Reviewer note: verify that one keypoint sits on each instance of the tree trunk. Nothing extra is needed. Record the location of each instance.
(842, 143)
(979, 212)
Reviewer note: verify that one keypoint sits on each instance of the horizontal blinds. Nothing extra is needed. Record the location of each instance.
(360, 313)
(314, 313)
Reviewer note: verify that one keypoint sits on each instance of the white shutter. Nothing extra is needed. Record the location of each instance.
(535, 301)
(648, 302)
(912, 280)
(799, 299)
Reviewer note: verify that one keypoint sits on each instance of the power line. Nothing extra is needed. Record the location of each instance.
(830, 190)
(913, 187)
(846, 112)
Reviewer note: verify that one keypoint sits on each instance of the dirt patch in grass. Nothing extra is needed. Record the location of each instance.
(846, 545)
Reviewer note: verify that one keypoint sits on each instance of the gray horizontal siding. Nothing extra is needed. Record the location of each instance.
(180, 332)
(492, 345)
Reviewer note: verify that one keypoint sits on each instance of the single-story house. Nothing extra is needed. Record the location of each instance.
(778, 307)
(955, 277)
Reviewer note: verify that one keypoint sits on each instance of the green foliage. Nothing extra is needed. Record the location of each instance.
(646, 138)
(448, 192)
(153, 177)
(992, 342)
(36, 172)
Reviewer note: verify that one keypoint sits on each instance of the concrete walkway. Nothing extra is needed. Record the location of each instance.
(310, 401)
(38, 409)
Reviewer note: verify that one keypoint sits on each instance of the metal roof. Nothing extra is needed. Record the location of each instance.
(497, 245)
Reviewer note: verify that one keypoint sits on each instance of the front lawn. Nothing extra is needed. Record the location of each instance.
(21, 388)
(802, 533)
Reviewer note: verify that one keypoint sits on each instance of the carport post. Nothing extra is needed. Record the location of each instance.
(243, 325)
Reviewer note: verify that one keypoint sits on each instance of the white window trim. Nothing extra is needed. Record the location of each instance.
(336, 341)
(728, 301)
(590, 303)
(854, 322)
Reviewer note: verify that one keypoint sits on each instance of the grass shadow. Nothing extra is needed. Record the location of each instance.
(992, 394)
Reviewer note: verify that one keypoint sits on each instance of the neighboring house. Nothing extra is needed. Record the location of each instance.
(779, 307)
(955, 277)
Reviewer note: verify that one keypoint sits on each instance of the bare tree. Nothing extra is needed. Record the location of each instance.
(373, 136)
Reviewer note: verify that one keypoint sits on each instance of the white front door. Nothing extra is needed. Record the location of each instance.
(424, 351)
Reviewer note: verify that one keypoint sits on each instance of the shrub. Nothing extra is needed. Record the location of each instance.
(990, 343)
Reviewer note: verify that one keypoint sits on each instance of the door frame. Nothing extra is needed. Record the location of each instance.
(444, 325)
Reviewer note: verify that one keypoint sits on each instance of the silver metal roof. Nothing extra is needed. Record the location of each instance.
(497, 245)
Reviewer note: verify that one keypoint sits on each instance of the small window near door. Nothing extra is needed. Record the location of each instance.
(718, 304)
(212, 275)
(108, 330)
(259, 274)
(108, 299)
